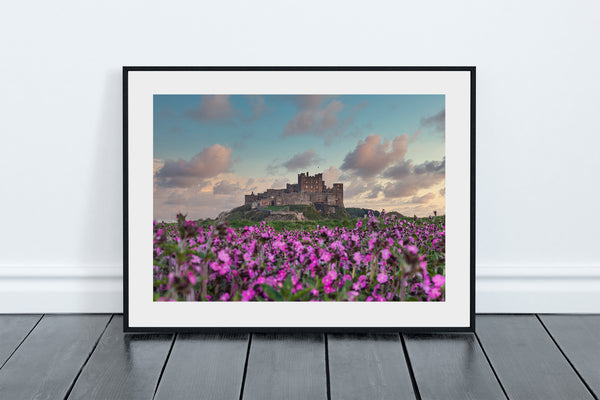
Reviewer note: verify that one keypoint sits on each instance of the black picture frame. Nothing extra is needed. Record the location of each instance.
(128, 327)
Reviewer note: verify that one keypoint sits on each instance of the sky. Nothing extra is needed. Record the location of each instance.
(210, 150)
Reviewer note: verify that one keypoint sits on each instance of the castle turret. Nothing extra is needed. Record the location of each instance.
(338, 191)
(311, 184)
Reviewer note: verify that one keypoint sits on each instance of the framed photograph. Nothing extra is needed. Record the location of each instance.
(299, 198)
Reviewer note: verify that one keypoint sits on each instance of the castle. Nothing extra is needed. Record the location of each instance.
(310, 190)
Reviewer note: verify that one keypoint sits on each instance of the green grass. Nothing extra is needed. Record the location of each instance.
(289, 225)
(310, 225)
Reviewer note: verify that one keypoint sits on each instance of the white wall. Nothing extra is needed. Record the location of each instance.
(538, 99)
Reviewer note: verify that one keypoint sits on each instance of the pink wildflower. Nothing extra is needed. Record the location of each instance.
(223, 256)
(385, 253)
(248, 295)
(438, 280)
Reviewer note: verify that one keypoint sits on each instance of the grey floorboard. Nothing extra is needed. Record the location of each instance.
(579, 338)
(368, 366)
(13, 329)
(286, 366)
(526, 360)
(46, 364)
(451, 366)
(123, 366)
(205, 367)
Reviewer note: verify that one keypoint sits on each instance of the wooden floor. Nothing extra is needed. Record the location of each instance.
(510, 356)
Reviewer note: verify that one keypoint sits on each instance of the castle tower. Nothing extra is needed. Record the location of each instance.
(338, 191)
(311, 184)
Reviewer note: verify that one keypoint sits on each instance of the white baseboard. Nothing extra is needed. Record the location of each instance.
(509, 289)
(93, 289)
(49, 289)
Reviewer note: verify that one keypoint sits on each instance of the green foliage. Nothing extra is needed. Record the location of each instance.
(246, 212)
(396, 213)
(341, 214)
(286, 293)
(312, 213)
(360, 212)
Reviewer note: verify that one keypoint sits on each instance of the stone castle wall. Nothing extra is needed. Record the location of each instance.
(310, 190)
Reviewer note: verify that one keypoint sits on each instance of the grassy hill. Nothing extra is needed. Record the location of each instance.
(245, 212)
(309, 212)
(397, 214)
(360, 212)
(312, 217)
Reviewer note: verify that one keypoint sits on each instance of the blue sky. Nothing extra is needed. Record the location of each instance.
(209, 150)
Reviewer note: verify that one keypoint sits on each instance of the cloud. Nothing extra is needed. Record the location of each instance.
(225, 187)
(313, 115)
(157, 165)
(426, 198)
(355, 188)
(194, 202)
(430, 167)
(280, 183)
(373, 155)
(374, 193)
(211, 108)
(210, 162)
(436, 122)
(421, 176)
(206, 200)
(399, 170)
(415, 136)
(331, 175)
(301, 160)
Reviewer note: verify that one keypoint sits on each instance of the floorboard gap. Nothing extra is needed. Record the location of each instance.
(410, 369)
(491, 366)
(327, 375)
(162, 370)
(21, 342)
(246, 366)
(87, 358)
(567, 358)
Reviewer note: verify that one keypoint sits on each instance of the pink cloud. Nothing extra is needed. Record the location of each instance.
(436, 122)
(224, 187)
(373, 155)
(210, 162)
(331, 175)
(426, 198)
(313, 116)
(301, 160)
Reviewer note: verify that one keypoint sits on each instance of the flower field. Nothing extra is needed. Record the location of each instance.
(379, 259)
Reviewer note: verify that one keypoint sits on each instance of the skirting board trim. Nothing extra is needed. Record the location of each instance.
(537, 289)
(50, 289)
(499, 289)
